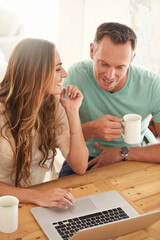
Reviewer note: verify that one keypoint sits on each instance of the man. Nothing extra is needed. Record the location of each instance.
(112, 87)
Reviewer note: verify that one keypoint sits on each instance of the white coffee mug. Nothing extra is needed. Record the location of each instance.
(8, 214)
(132, 128)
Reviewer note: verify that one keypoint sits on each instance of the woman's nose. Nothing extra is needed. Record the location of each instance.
(64, 74)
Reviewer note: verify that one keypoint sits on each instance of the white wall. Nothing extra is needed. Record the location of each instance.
(40, 17)
(99, 11)
(78, 21)
(33, 18)
(70, 30)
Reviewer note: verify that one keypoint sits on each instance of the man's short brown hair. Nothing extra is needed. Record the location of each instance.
(118, 33)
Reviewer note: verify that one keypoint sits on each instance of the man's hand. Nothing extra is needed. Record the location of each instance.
(108, 156)
(106, 128)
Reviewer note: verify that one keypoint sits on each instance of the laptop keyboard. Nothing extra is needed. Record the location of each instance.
(69, 227)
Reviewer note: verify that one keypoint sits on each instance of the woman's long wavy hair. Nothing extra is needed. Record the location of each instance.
(31, 68)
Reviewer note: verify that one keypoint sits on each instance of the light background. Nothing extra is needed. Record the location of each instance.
(71, 24)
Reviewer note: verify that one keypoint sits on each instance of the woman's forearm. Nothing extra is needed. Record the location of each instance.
(23, 194)
(78, 154)
(54, 197)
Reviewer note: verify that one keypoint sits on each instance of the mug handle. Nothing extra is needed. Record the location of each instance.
(122, 123)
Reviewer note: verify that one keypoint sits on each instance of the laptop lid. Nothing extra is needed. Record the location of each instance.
(117, 229)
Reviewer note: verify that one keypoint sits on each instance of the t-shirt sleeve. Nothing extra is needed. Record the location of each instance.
(62, 135)
(155, 103)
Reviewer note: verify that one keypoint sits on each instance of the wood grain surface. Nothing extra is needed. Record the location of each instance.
(138, 183)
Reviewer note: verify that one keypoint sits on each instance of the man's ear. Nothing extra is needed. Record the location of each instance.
(91, 50)
(132, 58)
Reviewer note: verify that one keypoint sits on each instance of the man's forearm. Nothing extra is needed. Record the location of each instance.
(150, 153)
(88, 130)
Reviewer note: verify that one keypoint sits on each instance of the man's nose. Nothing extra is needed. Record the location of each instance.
(110, 73)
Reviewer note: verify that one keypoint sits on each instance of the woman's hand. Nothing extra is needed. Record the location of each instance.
(61, 198)
(74, 99)
(56, 197)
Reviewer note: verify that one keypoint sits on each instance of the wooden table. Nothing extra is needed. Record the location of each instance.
(138, 183)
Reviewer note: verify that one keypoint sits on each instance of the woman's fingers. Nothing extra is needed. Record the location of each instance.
(61, 198)
(66, 198)
(73, 91)
(59, 205)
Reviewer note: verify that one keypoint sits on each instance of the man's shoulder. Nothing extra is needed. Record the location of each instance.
(80, 73)
(144, 78)
(135, 68)
(78, 66)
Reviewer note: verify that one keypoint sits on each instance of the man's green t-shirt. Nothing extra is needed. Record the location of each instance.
(141, 95)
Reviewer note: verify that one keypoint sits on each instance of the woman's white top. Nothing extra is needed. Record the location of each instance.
(37, 173)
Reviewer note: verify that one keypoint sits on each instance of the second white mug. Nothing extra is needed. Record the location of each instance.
(132, 128)
(8, 214)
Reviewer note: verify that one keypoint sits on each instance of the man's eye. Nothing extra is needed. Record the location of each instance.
(120, 67)
(104, 64)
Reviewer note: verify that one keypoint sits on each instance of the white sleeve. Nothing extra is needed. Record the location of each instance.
(62, 135)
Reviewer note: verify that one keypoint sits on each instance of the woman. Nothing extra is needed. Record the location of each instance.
(34, 121)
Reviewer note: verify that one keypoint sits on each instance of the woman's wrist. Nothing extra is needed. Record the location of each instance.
(76, 131)
(72, 111)
(29, 196)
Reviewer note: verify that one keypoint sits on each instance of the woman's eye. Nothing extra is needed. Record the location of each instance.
(58, 69)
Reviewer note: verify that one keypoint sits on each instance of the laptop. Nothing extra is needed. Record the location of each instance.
(97, 217)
